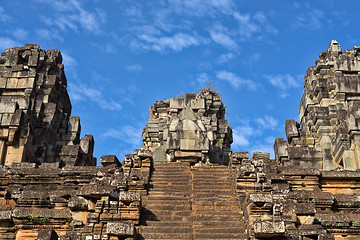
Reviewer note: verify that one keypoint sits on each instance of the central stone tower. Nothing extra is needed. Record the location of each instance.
(190, 128)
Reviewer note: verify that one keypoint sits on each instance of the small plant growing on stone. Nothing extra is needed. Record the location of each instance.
(68, 219)
(37, 220)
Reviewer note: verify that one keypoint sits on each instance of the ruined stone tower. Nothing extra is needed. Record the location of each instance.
(190, 128)
(35, 111)
(329, 114)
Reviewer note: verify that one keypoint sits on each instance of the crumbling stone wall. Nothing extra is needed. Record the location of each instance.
(296, 202)
(190, 128)
(328, 113)
(73, 202)
(35, 111)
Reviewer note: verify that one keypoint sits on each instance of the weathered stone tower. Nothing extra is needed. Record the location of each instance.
(329, 112)
(190, 128)
(35, 111)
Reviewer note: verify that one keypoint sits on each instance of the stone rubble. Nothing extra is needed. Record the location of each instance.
(185, 183)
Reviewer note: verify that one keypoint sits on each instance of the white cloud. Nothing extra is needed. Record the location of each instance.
(70, 15)
(201, 8)
(263, 147)
(261, 18)
(128, 134)
(267, 122)
(105, 47)
(203, 79)
(3, 16)
(6, 42)
(226, 57)
(134, 68)
(312, 19)
(48, 34)
(250, 135)
(19, 33)
(283, 82)
(253, 26)
(223, 39)
(242, 134)
(68, 61)
(81, 92)
(177, 42)
(236, 81)
(239, 139)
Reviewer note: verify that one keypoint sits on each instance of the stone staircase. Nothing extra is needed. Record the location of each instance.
(167, 208)
(216, 210)
(192, 203)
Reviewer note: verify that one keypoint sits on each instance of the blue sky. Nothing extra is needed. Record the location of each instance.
(121, 56)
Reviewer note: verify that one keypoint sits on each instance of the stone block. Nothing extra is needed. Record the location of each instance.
(8, 107)
(87, 145)
(47, 234)
(291, 129)
(119, 229)
(269, 229)
(5, 215)
(3, 81)
(74, 124)
(177, 103)
(128, 197)
(107, 160)
(198, 103)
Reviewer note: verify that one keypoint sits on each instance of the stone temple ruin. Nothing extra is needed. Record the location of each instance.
(185, 182)
(190, 128)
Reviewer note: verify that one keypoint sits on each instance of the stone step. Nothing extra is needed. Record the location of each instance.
(171, 179)
(168, 183)
(223, 218)
(238, 236)
(163, 229)
(169, 223)
(165, 218)
(158, 213)
(168, 207)
(210, 194)
(220, 229)
(214, 198)
(213, 188)
(216, 201)
(215, 208)
(213, 212)
(165, 197)
(211, 179)
(179, 236)
(171, 185)
(214, 174)
(152, 202)
(207, 180)
(235, 223)
(171, 193)
(169, 189)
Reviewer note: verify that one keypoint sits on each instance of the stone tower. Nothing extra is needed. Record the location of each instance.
(190, 128)
(329, 111)
(35, 111)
